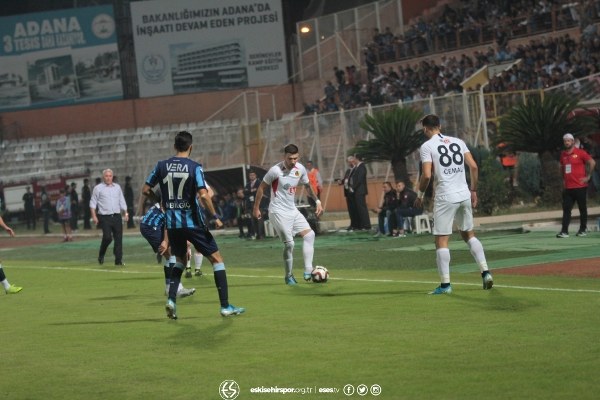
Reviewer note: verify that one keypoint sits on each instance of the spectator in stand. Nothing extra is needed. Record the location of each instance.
(329, 91)
(404, 207)
(339, 76)
(385, 212)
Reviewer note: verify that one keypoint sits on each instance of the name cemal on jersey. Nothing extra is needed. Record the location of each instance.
(453, 170)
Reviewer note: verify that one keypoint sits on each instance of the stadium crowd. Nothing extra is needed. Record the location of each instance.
(544, 61)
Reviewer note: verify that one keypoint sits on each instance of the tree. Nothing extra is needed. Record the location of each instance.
(394, 138)
(537, 126)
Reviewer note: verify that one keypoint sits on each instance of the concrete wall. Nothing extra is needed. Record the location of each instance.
(156, 111)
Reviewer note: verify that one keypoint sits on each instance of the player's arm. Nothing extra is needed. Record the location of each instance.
(206, 200)
(474, 174)
(164, 245)
(313, 195)
(7, 228)
(257, 198)
(146, 193)
(426, 169)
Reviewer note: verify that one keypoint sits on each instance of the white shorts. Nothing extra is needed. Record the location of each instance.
(288, 224)
(445, 214)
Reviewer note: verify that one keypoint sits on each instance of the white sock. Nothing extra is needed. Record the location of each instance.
(5, 282)
(442, 258)
(198, 257)
(172, 260)
(478, 254)
(308, 251)
(180, 287)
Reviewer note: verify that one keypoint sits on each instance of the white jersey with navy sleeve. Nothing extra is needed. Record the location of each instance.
(283, 183)
(447, 154)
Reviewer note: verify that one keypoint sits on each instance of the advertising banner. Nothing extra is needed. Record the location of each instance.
(58, 58)
(186, 46)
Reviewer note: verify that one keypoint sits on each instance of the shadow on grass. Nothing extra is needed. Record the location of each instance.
(494, 300)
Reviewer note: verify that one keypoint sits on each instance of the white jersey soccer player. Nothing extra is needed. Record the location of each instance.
(284, 178)
(446, 158)
(446, 154)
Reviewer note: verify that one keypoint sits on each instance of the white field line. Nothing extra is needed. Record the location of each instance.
(124, 271)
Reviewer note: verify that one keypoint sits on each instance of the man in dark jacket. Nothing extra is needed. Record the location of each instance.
(358, 184)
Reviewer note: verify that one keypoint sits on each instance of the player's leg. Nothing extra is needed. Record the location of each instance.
(302, 227)
(308, 252)
(8, 288)
(283, 225)
(464, 221)
(198, 257)
(204, 242)
(178, 249)
(444, 217)
(188, 267)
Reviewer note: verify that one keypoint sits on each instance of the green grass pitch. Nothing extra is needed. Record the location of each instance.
(83, 331)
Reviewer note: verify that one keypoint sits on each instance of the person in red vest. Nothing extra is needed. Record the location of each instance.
(576, 166)
(315, 180)
(508, 159)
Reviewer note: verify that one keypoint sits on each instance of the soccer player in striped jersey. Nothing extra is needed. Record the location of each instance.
(284, 177)
(152, 228)
(445, 158)
(183, 188)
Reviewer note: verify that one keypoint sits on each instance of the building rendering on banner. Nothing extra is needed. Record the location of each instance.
(212, 67)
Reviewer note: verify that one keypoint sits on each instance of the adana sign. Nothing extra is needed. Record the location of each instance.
(188, 46)
(59, 58)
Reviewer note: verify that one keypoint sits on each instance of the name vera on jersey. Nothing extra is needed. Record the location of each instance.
(176, 167)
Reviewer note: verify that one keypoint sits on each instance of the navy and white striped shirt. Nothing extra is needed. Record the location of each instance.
(154, 217)
(179, 180)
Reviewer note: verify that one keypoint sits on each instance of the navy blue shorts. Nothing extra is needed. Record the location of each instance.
(202, 240)
(153, 235)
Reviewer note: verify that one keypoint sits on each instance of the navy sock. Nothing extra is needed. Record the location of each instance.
(176, 273)
(445, 285)
(221, 284)
(167, 269)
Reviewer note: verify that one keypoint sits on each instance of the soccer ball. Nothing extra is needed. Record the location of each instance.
(320, 274)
